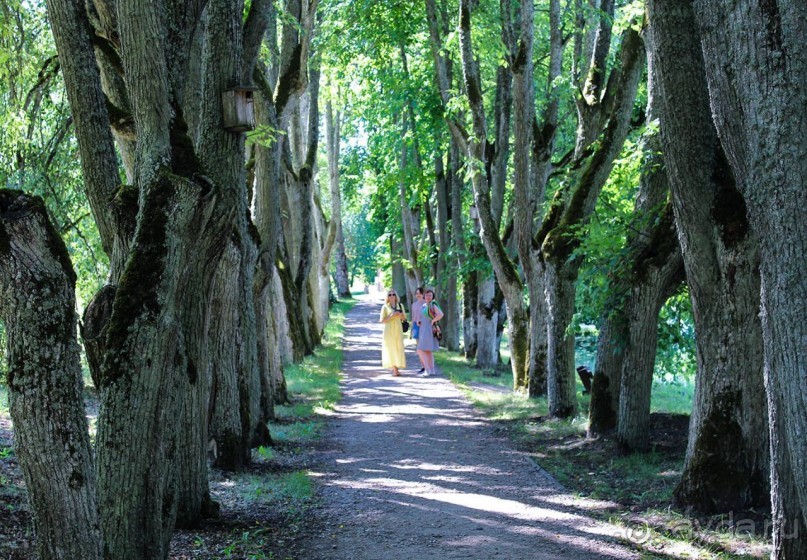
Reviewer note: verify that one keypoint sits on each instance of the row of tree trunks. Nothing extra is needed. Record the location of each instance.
(154, 345)
(727, 456)
(558, 240)
(650, 269)
(52, 442)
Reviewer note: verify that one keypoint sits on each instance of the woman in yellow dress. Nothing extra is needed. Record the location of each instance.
(392, 346)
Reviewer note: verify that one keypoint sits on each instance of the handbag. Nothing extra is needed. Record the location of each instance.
(437, 332)
(404, 322)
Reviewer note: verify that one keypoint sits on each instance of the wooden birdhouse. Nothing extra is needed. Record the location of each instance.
(239, 108)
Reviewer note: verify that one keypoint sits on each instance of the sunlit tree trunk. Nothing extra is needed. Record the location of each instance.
(728, 426)
(446, 268)
(459, 250)
(51, 439)
(341, 274)
(335, 241)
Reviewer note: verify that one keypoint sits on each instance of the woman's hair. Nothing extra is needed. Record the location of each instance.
(419, 290)
(429, 290)
(391, 293)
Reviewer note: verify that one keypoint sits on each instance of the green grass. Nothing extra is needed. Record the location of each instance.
(294, 489)
(313, 388)
(314, 383)
(674, 397)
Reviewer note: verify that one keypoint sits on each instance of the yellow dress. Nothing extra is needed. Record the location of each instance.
(392, 346)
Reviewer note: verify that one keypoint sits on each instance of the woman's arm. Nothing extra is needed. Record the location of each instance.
(437, 314)
(388, 314)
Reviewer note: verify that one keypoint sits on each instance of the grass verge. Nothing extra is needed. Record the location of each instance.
(276, 493)
(633, 492)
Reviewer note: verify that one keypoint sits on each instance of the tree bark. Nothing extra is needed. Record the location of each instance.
(458, 247)
(446, 273)
(333, 140)
(487, 174)
(51, 439)
(761, 122)
(341, 272)
(558, 238)
(231, 448)
(727, 456)
(649, 270)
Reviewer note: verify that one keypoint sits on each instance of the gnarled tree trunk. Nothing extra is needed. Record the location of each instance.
(649, 270)
(52, 442)
(727, 456)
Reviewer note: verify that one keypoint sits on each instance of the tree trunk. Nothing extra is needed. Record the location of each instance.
(231, 451)
(611, 343)
(341, 273)
(147, 357)
(189, 186)
(470, 314)
(410, 222)
(649, 270)
(487, 350)
(446, 276)
(761, 122)
(559, 239)
(539, 337)
(532, 162)
(727, 456)
(51, 439)
(656, 272)
(488, 183)
(646, 300)
(454, 184)
(336, 238)
(561, 375)
(789, 526)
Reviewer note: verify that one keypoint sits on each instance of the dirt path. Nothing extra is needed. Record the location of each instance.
(412, 472)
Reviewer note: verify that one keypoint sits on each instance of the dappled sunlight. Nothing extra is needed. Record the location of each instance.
(506, 515)
(588, 504)
(412, 457)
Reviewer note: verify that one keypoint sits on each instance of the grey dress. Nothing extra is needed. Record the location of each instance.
(426, 340)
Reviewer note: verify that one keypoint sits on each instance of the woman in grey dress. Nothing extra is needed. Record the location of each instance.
(427, 343)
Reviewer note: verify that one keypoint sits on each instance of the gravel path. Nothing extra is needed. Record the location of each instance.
(411, 472)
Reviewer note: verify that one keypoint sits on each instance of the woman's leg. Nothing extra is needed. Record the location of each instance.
(430, 363)
(424, 359)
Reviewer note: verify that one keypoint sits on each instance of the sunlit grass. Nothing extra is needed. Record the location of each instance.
(314, 383)
(674, 397)
(4, 412)
(293, 488)
(313, 388)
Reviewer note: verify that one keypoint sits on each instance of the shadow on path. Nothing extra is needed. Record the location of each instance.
(412, 472)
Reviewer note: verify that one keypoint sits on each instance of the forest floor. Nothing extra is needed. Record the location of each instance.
(405, 468)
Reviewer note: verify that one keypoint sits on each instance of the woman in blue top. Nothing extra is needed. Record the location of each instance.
(427, 342)
(417, 312)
